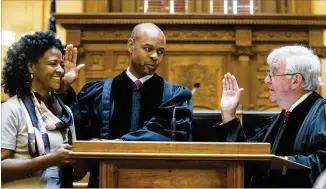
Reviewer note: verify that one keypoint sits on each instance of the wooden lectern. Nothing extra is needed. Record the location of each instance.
(177, 164)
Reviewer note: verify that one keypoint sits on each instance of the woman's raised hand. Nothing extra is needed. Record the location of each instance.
(70, 66)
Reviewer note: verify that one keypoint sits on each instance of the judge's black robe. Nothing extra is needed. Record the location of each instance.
(115, 108)
(303, 141)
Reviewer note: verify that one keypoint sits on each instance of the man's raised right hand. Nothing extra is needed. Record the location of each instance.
(230, 97)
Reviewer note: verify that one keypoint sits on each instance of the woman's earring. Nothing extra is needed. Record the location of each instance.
(31, 76)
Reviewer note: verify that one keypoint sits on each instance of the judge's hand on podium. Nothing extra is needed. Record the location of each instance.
(230, 97)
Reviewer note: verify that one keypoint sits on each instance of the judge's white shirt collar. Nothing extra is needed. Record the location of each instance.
(304, 97)
(133, 78)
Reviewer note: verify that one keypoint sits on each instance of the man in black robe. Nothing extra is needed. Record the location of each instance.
(299, 132)
(136, 105)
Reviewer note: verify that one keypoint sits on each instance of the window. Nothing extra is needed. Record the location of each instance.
(232, 6)
(170, 6)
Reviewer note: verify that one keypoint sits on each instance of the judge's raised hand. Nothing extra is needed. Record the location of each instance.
(230, 97)
(70, 66)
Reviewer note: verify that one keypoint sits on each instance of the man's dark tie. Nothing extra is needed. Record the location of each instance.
(138, 83)
(280, 131)
(286, 114)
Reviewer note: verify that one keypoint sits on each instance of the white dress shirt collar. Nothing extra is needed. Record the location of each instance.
(300, 100)
(133, 78)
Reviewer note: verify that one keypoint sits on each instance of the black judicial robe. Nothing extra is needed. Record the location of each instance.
(303, 141)
(114, 108)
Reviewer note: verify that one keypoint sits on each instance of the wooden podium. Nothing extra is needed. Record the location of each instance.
(177, 164)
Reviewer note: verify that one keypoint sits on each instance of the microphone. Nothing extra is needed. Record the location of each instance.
(173, 122)
(196, 86)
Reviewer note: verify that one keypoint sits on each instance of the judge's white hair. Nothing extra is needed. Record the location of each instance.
(300, 59)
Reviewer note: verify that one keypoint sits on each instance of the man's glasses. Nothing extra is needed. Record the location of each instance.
(270, 76)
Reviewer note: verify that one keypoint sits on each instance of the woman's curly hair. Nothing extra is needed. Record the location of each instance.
(28, 49)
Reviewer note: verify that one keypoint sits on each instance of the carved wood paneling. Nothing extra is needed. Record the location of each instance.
(316, 38)
(263, 102)
(200, 48)
(221, 35)
(193, 19)
(203, 69)
(171, 35)
(243, 37)
(298, 36)
(121, 62)
(173, 178)
(95, 61)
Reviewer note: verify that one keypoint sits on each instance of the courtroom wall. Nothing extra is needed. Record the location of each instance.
(26, 16)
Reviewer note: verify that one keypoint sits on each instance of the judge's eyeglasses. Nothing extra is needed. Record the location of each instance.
(270, 76)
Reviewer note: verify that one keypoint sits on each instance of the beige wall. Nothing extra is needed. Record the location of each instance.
(24, 16)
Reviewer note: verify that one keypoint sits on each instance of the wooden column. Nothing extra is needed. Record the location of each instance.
(243, 52)
(109, 171)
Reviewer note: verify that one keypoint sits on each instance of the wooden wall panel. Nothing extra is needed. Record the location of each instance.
(203, 69)
(97, 6)
(173, 178)
(200, 48)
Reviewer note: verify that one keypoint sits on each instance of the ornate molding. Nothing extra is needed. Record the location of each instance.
(135, 18)
(105, 35)
(300, 36)
(201, 19)
(196, 21)
(223, 35)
